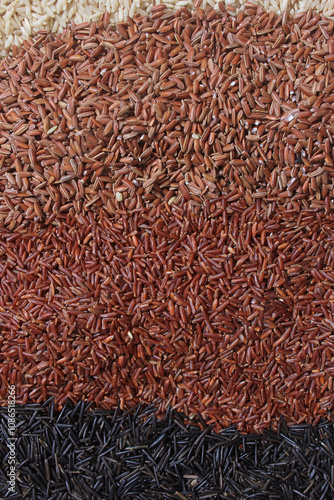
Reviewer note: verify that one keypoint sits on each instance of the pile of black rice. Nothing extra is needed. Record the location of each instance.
(80, 453)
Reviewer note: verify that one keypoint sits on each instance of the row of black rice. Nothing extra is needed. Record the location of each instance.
(80, 453)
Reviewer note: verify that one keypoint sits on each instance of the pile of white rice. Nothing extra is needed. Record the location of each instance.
(19, 19)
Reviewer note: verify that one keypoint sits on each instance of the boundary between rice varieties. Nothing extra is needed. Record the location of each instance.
(225, 204)
(20, 19)
(98, 454)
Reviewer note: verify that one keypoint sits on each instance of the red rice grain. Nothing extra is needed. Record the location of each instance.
(227, 311)
(184, 105)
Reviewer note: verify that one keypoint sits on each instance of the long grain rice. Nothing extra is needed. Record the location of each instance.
(167, 235)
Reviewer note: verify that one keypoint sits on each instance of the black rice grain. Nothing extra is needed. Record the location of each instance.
(131, 455)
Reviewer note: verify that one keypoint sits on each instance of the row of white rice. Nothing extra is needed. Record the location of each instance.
(20, 19)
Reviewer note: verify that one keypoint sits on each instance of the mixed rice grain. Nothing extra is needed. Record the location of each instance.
(166, 218)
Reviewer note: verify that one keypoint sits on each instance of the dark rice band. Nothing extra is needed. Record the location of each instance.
(80, 453)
